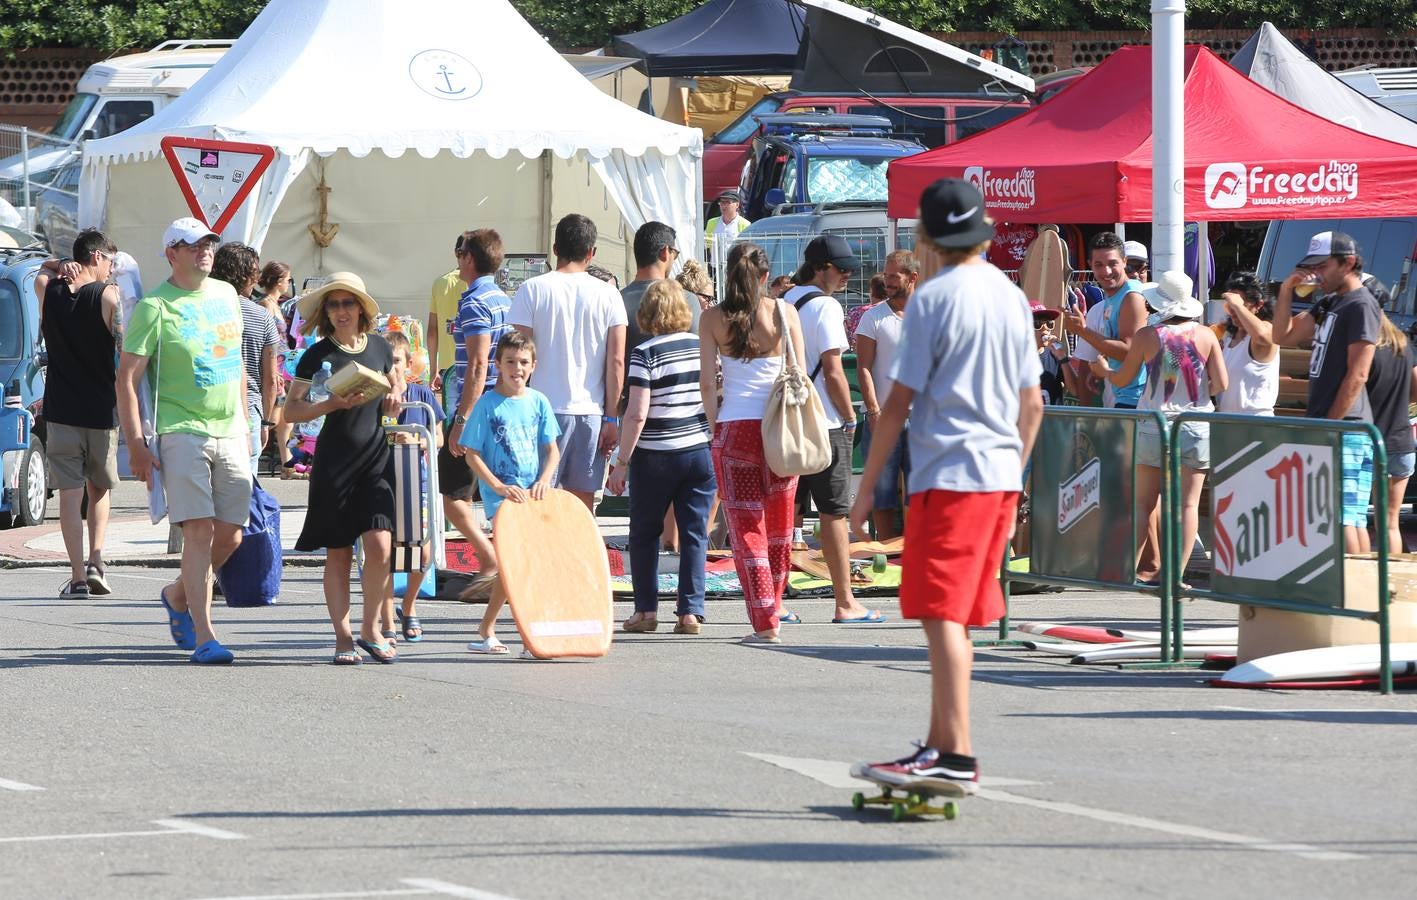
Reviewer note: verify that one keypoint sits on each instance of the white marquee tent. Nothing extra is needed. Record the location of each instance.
(504, 132)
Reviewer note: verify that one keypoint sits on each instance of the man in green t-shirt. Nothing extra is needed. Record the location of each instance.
(189, 329)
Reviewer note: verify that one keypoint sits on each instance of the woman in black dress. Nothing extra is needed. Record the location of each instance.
(351, 482)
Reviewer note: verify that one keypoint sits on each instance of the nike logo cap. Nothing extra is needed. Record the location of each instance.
(952, 214)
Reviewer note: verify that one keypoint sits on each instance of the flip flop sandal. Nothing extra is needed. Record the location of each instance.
(184, 630)
(872, 617)
(490, 646)
(790, 618)
(213, 653)
(392, 637)
(97, 580)
(347, 658)
(410, 623)
(380, 651)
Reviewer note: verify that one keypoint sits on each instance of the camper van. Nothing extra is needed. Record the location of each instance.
(1394, 88)
(112, 96)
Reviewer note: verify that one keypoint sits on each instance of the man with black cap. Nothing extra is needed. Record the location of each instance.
(1344, 328)
(967, 377)
(723, 229)
(827, 264)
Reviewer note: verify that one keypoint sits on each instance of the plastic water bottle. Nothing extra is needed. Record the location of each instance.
(318, 393)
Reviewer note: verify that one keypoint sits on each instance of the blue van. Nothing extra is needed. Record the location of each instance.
(24, 488)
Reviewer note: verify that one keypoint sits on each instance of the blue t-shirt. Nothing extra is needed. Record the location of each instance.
(508, 433)
(482, 310)
(419, 393)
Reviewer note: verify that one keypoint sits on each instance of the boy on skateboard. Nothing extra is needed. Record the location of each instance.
(966, 375)
(511, 444)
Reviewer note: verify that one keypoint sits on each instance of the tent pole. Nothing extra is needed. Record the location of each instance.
(1121, 229)
(1202, 262)
(1168, 28)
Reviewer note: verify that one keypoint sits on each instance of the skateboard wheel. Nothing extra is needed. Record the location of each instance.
(858, 801)
(897, 812)
(878, 563)
(951, 810)
(915, 799)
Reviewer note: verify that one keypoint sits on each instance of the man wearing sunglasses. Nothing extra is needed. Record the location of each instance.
(189, 330)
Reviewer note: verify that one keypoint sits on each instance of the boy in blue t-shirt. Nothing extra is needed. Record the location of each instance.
(412, 629)
(511, 443)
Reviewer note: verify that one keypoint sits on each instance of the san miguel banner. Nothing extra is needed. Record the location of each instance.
(1276, 504)
(1081, 498)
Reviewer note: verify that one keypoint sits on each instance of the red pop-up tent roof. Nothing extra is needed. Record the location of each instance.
(1085, 155)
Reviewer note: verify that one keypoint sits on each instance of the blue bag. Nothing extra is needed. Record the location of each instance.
(251, 577)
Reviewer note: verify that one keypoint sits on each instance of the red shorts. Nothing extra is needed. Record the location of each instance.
(954, 545)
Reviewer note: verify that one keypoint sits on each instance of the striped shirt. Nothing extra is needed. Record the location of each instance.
(482, 310)
(669, 366)
(258, 331)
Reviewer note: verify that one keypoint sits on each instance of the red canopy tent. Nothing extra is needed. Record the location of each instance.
(1085, 155)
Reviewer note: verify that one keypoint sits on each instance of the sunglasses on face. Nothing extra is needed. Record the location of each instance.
(337, 305)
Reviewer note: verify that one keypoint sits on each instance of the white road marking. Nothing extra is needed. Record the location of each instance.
(452, 890)
(834, 774)
(203, 830)
(1317, 710)
(18, 786)
(333, 895)
(1222, 837)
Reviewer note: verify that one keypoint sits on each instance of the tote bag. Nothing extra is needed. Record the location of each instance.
(795, 440)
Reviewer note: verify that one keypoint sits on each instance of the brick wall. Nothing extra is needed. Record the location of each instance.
(35, 85)
(1336, 49)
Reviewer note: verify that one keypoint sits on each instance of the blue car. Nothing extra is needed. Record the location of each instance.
(24, 483)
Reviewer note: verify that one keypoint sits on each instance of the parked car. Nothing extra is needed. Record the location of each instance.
(56, 210)
(1388, 248)
(24, 469)
(934, 119)
(814, 159)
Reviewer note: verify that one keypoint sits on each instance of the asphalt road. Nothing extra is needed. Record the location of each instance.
(674, 767)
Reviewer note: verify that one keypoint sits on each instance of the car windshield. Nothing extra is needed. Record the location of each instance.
(74, 116)
(1385, 244)
(11, 327)
(840, 179)
(745, 126)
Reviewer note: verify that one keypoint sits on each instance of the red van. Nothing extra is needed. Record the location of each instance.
(935, 118)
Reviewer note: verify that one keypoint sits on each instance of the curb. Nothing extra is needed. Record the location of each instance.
(304, 562)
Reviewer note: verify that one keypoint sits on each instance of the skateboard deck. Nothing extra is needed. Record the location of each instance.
(555, 575)
(913, 799)
(862, 571)
(1043, 274)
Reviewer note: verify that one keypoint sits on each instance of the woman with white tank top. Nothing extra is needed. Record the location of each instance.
(1251, 355)
(743, 335)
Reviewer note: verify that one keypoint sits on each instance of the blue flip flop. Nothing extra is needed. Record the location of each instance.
(184, 630)
(872, 617)
(379, 650)
(790, 618)
(407, 624)
(212, 653)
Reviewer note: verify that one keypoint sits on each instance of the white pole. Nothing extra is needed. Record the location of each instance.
(25, 178)
(1168, 50)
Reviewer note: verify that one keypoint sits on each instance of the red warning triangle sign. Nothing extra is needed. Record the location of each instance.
(216, 177)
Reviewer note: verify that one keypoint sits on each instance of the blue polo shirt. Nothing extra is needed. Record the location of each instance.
(483, 309)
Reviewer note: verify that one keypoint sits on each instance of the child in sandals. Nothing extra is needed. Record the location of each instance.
(511, 442)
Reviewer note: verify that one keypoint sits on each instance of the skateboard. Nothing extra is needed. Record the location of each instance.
(862, 574)
(1043, 275)
(555, 575)
(910, 799)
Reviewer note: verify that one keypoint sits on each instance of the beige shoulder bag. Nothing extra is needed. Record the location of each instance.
(795, 439)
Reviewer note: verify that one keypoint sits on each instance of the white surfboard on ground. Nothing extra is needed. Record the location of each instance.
(1116, 654)
(1323, 662)
(1224, 635)
(1073, 648)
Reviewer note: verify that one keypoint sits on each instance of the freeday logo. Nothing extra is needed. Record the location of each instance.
(1079, 495)
(1232, 185)
(1274, 517)
(1006, 189)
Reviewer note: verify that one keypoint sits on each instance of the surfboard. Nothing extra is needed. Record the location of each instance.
(1074, 648)
(1140, 654)
(1323, 662)
(1082, 633)
(1227, 635)
(1331, 684)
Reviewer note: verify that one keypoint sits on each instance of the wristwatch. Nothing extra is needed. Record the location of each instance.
(459, 419)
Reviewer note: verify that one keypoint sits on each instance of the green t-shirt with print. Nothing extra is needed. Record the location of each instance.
(193, 343)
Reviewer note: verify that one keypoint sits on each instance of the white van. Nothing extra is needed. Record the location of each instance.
(115, 95)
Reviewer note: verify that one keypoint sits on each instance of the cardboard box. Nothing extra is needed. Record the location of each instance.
(356, 379)
(1264, 632)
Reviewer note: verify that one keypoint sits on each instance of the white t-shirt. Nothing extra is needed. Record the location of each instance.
(967, 351)
(1087, 353)
(570, 315)
(823, 329)
(882, 325)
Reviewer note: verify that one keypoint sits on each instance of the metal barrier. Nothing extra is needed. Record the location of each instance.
(1086, 505)
(1304, 475)
(28, 162)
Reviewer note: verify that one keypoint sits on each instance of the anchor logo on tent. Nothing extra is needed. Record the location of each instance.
(445, 75)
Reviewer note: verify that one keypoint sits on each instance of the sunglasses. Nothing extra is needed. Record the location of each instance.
(336, 305)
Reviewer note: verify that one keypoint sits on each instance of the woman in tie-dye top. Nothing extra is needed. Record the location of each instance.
(1185, 367)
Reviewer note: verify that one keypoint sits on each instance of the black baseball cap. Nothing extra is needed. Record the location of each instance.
(827, 248)
(952, 214)
(1329, 243)
(731, 194)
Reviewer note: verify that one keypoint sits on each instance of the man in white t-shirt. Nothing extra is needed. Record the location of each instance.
(578, 323)
(827, 264)
(878, 337)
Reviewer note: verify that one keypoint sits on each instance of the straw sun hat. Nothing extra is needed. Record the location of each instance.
(309, 305)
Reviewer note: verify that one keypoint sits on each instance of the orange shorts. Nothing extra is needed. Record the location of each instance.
(954, 545)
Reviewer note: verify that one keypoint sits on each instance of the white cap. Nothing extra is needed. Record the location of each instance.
(186, 231)
(1135, 250)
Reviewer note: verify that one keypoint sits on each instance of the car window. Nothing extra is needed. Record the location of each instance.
(745, 125)
(974, 119)
(1385, 245)
(120, 115)
(1390, 250)
(925, 122)
(68, 178)
(74, 116)
(839, 179)
(11, 327)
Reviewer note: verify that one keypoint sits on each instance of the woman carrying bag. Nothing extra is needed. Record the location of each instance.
(758, 342)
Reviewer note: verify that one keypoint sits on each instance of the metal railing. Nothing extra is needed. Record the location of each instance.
(29, 160)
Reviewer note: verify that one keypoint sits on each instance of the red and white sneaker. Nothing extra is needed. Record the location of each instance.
(924, 765)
